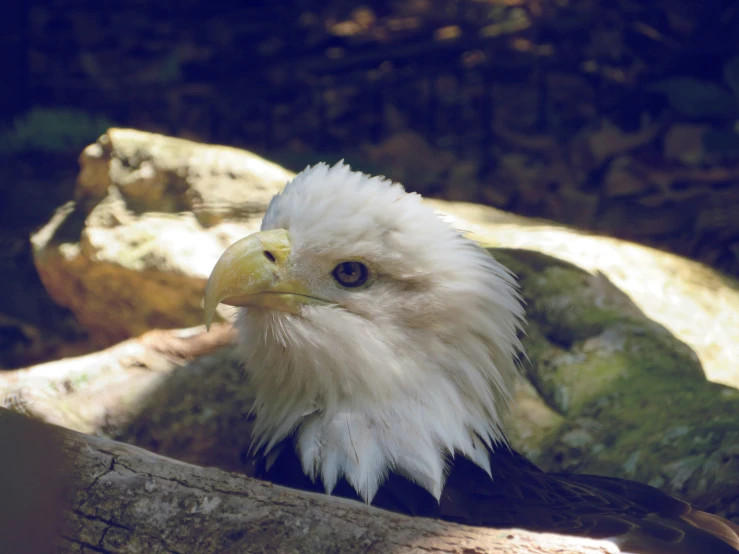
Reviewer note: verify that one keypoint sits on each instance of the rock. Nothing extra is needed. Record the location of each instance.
(462, 183)
(634, 399)
(573, 206)
(518, 172)
(411, 159)
(161, 174)
(152, 215)
(610, 141)
(659, 218)
(683, 143)
(623, 179)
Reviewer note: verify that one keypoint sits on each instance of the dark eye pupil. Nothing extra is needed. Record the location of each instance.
(351, 274)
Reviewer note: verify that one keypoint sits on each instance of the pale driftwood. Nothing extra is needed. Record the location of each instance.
(109, 388)
(125, 500)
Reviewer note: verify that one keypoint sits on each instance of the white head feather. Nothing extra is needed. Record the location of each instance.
(396, 376)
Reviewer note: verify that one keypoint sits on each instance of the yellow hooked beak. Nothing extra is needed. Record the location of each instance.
(253, 272)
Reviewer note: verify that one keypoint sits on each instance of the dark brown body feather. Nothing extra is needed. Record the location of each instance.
(644, 519)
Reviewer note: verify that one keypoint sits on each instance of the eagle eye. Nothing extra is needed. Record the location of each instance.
(351, 274)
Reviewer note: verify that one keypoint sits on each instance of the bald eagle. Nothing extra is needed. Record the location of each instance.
(382, 346)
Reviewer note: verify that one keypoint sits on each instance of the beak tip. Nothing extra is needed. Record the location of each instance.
(209, 313)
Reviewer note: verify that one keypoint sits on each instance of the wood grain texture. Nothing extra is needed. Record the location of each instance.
(124, 499)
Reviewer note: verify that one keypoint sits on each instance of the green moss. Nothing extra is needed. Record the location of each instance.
(586, 338)
(52, 130)
(611, 362)
(567, 303)
(569, 306)
(684, 420)
(654, 351)
(572, 381)
(679, 434)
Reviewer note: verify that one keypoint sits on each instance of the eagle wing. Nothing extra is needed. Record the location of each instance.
(639, 518)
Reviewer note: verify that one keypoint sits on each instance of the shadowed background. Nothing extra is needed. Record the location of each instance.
(609, 115)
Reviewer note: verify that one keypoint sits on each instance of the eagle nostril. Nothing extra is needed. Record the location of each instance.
(269, 256)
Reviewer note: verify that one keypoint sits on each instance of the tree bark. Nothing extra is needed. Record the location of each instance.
(123, 499)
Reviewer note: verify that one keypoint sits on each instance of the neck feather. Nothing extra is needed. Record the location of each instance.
(362, 406)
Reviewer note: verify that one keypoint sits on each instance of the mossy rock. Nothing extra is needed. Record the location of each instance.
(633, 399)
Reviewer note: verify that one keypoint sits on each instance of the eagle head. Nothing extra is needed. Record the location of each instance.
(373, 332)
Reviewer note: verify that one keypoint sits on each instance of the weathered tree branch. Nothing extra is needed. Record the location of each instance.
(111, 387)
(123, 499)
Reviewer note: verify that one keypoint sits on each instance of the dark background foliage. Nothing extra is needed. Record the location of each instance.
(618, 116)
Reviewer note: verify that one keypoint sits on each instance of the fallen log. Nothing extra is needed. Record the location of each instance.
(178, 392)
(122, 499)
